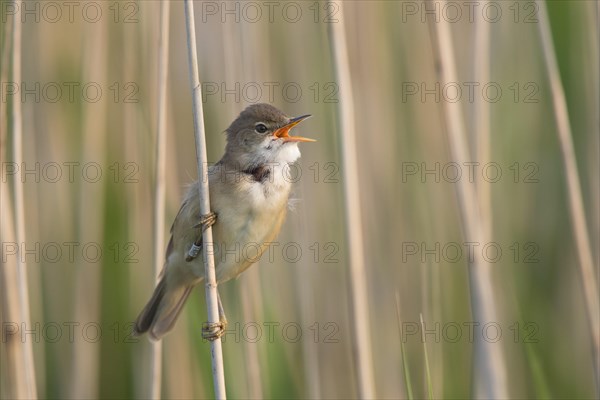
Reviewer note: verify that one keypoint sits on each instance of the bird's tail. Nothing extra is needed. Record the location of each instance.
(161, 312)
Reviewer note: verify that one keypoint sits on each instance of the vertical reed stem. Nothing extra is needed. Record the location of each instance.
(354, 228)
(159, 187)
(17, 136)
(481, 118)
(490, 367)
(576, 208)
(207, 238)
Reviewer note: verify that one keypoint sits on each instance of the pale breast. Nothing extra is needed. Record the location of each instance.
(250, 213)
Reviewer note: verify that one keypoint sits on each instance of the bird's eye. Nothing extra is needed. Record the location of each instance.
(261, 128)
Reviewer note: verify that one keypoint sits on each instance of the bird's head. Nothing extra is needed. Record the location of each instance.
(261, 135)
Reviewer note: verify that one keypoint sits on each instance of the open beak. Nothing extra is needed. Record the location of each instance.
(283, 132)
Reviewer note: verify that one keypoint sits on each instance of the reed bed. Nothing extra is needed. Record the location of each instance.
(443, 241)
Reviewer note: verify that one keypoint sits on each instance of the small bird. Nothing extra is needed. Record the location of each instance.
(249, 193)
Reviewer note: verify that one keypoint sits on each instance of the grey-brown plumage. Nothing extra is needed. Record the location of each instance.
(248, 193)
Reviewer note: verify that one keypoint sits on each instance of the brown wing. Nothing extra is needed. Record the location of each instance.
(171, 245)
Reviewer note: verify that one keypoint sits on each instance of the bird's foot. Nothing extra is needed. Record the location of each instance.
(206, 220)
(214, 330)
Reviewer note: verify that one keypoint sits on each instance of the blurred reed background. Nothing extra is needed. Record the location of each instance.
(88, 93)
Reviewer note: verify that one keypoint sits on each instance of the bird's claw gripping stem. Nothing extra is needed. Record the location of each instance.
(206, 221)
(213, 331)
